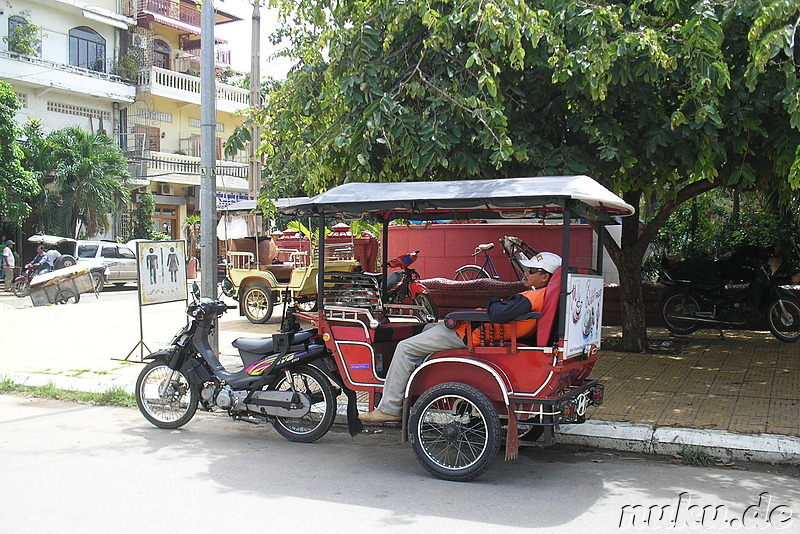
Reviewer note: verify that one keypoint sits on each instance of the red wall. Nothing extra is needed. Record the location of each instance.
(446, 247)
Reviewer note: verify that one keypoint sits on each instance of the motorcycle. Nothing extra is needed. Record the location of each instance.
(22, 283)
(284, 379)
(404, 287)
(690, 302)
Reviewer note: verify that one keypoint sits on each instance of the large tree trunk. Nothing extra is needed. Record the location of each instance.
(629, 264)
(634, 327)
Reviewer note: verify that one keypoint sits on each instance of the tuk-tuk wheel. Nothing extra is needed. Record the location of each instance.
(257, 303)
(454, 430)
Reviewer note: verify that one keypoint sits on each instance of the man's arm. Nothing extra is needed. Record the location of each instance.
(505, 312)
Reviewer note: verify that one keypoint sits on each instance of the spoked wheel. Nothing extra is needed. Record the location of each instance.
(470, 272)
(455, 431)
(678, 312)
(428, 304)
(257, 304)
(783, 317)
(21, 289)
(66, 296)
(307, 380)
(166, 398)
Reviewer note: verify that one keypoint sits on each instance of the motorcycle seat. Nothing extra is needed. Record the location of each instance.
(264, 345)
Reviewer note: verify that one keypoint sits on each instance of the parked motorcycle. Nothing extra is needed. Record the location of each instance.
(689, 303)
(22, 283)
(404, 287)
(282, 380)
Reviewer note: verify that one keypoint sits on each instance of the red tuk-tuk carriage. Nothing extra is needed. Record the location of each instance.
(460, 405)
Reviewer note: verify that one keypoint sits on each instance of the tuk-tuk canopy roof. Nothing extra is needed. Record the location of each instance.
(464, 199)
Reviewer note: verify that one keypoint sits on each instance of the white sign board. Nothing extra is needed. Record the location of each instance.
(584, 311)
(162, 271)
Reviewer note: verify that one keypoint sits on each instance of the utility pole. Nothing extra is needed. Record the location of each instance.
(255, 100)
(208, 171)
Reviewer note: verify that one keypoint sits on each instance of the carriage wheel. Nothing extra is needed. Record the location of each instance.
(66, 296)
(454, 431)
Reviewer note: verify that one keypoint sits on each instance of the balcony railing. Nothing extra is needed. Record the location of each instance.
(178, 163)
(63, 67)
(157, 77)
(174, 10)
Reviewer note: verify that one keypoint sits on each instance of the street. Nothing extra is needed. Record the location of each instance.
(76, 468)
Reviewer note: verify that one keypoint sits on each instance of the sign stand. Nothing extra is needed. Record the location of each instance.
(166, 281)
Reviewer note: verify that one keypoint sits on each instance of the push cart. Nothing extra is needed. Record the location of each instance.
(63, 286)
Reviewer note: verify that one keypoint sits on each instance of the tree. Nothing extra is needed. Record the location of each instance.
(17, 185)
(89, 176)
(143, 224)
(661, 100)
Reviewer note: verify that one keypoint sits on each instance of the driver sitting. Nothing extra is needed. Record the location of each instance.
(411, 352)
(40, 262)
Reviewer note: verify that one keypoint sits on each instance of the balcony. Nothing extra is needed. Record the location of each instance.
(50, 74)
(185, 170)
(178, 15)
(186, 88)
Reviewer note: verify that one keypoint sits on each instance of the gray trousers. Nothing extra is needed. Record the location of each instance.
(408, 355)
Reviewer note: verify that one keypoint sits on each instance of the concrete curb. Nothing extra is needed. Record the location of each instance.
(721, 444)
(620, 436)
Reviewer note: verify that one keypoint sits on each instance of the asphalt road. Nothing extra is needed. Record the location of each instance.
(71, 468)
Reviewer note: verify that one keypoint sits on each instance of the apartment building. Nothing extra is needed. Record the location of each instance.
(130, 69)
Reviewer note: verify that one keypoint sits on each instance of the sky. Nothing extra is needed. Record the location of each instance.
(238, 35)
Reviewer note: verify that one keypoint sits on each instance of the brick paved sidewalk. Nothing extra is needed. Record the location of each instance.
(746, 382)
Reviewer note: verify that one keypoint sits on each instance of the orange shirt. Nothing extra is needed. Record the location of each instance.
(492, 331)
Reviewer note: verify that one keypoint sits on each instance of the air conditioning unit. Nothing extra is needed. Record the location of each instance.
(138, 40)
(166, 189)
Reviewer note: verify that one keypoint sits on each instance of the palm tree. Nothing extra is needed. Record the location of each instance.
(89, 176)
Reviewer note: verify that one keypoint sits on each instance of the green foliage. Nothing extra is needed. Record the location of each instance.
(644, 95)
(89, 175)
(114, 396)
(692, 455)
(142, 217)
(18, 186)
(709, 228)
(24, 39)
(128, 68)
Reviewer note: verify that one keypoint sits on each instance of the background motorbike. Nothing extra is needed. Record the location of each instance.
(404, 287)
(281, 381)
(22, 283)
(689, 303)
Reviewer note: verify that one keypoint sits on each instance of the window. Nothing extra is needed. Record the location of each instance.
(23, 37)
(161, 52)
(87, 49)
(126, 253)
(109, 252)
(13, 22)
(87, 251)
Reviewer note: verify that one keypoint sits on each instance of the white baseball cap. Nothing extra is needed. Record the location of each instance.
(543, 260)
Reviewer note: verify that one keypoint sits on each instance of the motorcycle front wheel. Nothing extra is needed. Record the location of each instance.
(21, 289)
(167, 398)
(428, 304)
(678, 311)
(307, 380)
(783, 317)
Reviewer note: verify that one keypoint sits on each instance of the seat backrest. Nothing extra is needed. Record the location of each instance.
(544, 331)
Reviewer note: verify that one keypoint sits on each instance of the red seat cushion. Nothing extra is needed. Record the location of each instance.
(544, 332)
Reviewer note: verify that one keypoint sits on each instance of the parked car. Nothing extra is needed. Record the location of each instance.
(120, 259)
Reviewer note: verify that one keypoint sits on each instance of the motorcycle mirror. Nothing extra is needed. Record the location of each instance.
(195, 290)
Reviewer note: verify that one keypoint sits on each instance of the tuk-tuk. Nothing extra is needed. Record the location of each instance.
(460, 405)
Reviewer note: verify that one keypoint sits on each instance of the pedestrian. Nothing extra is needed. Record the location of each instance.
(8, 264)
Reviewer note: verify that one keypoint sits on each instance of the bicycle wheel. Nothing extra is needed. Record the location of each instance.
(470, 272)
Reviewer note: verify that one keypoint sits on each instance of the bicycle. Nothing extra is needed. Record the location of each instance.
(513, 247)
